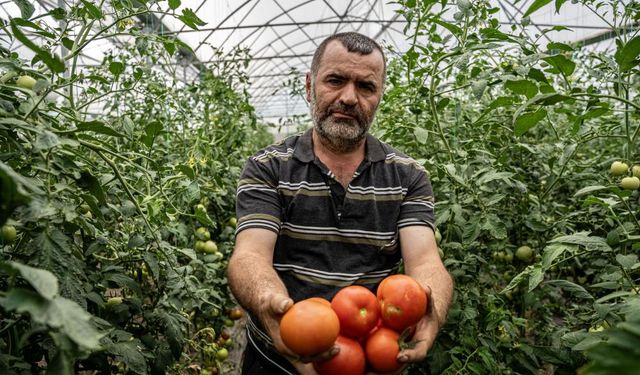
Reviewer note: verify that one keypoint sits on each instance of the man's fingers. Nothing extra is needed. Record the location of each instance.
(322, 356)
(415, 354)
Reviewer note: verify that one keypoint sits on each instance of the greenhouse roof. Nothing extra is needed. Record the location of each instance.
(281, 35)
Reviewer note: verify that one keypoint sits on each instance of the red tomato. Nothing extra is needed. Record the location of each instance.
(358, 310)
(403, 302)
(382, 348)
(309, 327)
(349, 361)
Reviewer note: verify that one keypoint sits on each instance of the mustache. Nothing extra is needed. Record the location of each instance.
(346, 109)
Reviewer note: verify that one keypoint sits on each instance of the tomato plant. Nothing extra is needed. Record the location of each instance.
(309, 327)
(350, 360)
(403, 302)
(100, 170)
(357, 309)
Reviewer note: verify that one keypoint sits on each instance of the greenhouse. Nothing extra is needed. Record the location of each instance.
(166, 167)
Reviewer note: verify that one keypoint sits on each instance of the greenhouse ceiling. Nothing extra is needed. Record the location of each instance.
(281, 36)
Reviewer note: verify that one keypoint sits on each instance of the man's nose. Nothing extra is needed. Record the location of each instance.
(348, 96)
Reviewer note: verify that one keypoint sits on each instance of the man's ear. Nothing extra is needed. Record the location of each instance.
(307, 86)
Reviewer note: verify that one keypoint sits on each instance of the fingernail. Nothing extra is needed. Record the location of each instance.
(403, 358)
(335, 350)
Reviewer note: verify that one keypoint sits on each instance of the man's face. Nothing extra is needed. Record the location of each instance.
(344, 95)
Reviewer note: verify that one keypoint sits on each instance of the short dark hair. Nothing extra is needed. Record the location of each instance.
(353, 42)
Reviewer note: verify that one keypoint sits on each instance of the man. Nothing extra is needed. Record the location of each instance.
(330, 208)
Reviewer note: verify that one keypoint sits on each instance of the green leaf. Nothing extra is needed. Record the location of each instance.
(561, 64)
(122, 280)
(627, 261)
(187, 170)
(589, 190)
(528, 120)
(151, 131)
(76, 323)
(15, 190)
(537, 4)
(46, 140)
(174, 4)
(90, 183)
(43, 281)
(591, 243)
(502, 101)
(535, 278)
(116, 68)
(190, 19)
(26, 8)
(54, 63)
(94, 12)
(135, 240)
(626, 57)
(573, 288)
(522, 87)
(552, 252)
(421, 134)
(98, 127)
(129, 353)
(455, 30)
(559, 46)
(559, 4)
(59, 313)
(478, 87)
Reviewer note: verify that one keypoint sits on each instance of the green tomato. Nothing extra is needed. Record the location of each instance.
(233, 221)
(199, 246)
(635, 170)
(228, 322)
(524, 253)
(8, 233)
(228, 343)
(210, 247)
(203, 234)
(222, 354)
(113, 301)
(438, 236)
(508, 257)
(630, 183)
(26, 82)
(619, 168)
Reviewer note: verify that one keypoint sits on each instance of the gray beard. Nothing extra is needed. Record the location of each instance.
(341, 136)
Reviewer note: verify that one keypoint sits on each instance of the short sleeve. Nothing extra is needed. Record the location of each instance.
(257, 199)
(418, 205)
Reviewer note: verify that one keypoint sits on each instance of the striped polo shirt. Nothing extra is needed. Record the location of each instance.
(328, 236)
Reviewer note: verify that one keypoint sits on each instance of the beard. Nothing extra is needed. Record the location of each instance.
(340, 135)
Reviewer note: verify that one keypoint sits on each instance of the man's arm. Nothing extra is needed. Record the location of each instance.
(257, 287)
(423, 263)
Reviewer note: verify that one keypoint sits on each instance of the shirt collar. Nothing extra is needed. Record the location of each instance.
(304, 148)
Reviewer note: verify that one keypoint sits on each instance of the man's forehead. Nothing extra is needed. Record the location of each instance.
(336, 56)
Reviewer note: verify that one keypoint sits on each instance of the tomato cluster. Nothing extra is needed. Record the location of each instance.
(368, 328)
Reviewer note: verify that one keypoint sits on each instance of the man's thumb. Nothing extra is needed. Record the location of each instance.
(280, 304)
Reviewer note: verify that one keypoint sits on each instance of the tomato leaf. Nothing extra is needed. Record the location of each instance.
(174, 4)
(52, 61)
(15, 190)
(98, 126)
(573, 288)
(528, 120)
(537, 4)
(522, 87)
(626, 55)
(43, 281)
(190, 19)
(560, 64)
(26, 8)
